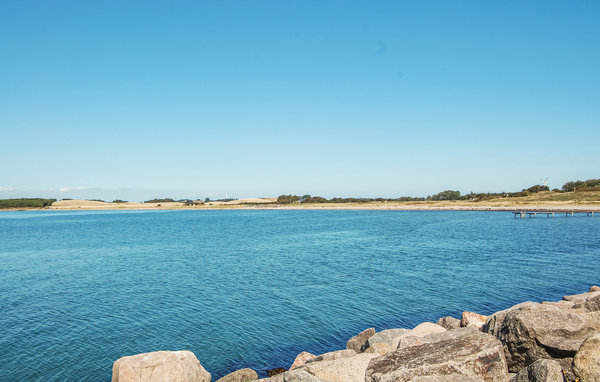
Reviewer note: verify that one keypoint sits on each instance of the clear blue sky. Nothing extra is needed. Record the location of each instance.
(138, 99)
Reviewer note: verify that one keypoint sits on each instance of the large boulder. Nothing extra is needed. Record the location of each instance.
(348, 369)
(425, 329)
(332, 355)
(531, 331)
(586, 364)
(449, 323)
(358, 343)
(171, 366)
(301, 359)
(542, 370)
(458, 355)
(388, 336)
(242, 375)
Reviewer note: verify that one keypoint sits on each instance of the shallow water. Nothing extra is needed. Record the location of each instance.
(78, 290)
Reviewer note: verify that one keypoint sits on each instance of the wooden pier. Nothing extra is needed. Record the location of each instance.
(533, 214)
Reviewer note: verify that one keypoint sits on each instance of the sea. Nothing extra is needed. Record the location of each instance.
(253, 288)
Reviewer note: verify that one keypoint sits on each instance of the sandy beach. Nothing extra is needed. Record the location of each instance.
(506, 204)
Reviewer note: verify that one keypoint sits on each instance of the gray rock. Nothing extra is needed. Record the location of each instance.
(388, 336)
(531, 331)
(358, 343)
(242, 375)
(592, 304)
(586, 364)
(333, 355)
(160, 366)
(349, 369)
(449, 323)
(542, 370)
(458, 355)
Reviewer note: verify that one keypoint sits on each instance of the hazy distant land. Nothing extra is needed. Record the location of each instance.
(538, 201)
(577, 195)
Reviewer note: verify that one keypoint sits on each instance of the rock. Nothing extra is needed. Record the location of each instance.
(449, 323)
(424, 329)
(275, 371)
(301, 359)
(542, 370)
(472, 319)
(379, 348)
(348, 369)
(358, 343)
(333, 355)
(592, 304)
(392, 337)
(300, 376)
(275, 378)
(388, 336)
(160, 366)
(408, 341)
(531, 331)
(594, 288)
(297, 375)
(457, 355)
(242, 375)
(581, 298)
(560, 304)
(586, 364)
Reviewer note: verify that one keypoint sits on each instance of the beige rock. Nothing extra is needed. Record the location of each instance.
(300, 376)
(581, 298)
(379, 348)
(297, 375)
(301, 359)
(408, 341)
(358, 343)
(586, 364)
(389, 336)
(594, 288)
(332, 355)
(160, 366)
(472, 319)
(563, 304)
(463, 354)
(242, 375)
(425, 328)
(449, 323)
(349, 369)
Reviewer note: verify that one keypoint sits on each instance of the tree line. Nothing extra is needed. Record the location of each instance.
(26, 203)
(585, 185)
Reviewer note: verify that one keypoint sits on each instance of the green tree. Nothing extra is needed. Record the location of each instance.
(446, 195)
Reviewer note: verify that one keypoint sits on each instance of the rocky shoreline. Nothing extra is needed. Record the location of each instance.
(529, 342)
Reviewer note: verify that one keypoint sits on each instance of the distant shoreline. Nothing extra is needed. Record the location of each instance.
(83, 205)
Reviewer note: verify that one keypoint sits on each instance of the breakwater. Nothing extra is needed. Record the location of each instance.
(529, 342)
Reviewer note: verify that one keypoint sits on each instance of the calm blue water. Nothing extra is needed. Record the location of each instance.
(78, 290)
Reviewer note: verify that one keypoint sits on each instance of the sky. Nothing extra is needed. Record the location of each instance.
(193, 99)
